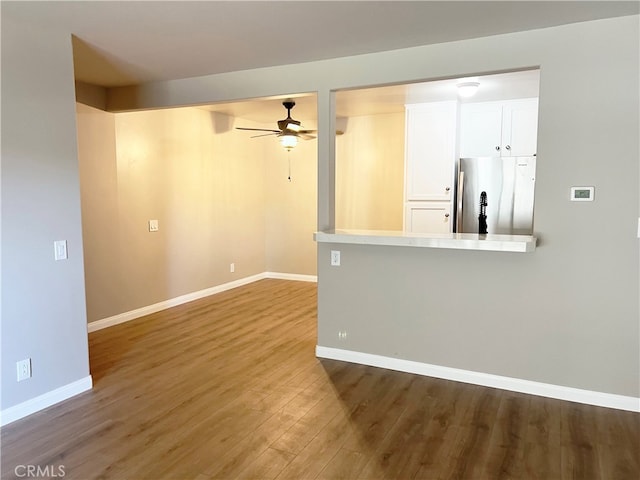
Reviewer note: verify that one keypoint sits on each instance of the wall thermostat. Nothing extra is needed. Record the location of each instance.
(582, 194)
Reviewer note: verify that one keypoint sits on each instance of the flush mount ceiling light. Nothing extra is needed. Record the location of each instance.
(467, 89)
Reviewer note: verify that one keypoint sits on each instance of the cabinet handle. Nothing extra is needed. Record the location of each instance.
(498, 147)
(447, 189)
(446, 215)
(508, 147)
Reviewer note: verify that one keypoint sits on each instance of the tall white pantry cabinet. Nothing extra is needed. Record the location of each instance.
(439, 133)
(430, 153)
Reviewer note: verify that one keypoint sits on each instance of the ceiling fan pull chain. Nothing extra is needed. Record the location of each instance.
(289, 159)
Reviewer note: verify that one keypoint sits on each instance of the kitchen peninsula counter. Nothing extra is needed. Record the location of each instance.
(463, 241)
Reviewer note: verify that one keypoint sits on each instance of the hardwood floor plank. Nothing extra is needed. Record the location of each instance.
(450, 402)
(542, 452)
(314, 457)
(254, 444)
(229, 387)
(345, 465)
(474, 429)
(374, 414)
(400, 453)
(617, 428)
(266, 466)
(505, 456)
(579, 444)
(298, 436)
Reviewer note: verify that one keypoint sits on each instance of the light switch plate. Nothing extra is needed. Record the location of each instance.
(60, 250)
(153, 225)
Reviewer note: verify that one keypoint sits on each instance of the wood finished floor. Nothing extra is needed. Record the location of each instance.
(228, 387)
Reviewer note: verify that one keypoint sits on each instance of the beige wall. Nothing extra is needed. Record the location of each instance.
(290, 210)
(204, 187)
(100, 219)
(219, 197)
(370, 173)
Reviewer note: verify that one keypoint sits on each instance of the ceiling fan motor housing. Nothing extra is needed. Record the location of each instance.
(289, 126)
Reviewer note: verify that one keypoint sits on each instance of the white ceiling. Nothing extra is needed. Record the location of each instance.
(120, 43)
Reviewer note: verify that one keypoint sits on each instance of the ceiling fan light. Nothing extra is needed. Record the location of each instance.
(293, 126)
(288, 141)
(468, 89)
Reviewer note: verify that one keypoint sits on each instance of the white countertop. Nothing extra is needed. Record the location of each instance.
(464, 241)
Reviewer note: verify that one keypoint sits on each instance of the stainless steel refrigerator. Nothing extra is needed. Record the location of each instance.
(508, 184)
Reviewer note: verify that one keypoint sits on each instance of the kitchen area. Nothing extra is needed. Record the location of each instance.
(468, 165)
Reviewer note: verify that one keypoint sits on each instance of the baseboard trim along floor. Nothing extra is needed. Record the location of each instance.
(189, 297)
(588, 397)
(45, 400)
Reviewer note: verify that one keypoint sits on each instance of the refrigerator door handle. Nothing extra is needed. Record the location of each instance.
(459, 195)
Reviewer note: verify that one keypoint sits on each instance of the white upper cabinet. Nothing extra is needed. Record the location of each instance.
(507, 128)
(430, 151)
(480, 129)
(520, 127)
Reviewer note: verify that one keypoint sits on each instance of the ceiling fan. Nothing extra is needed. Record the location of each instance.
(289, 130)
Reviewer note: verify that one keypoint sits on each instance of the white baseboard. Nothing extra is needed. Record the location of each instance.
(45, 400)
(189, 297)
(589, 397)
(292, 276)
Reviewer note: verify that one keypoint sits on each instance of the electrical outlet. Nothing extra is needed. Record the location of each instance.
(232, 267)
(342, 335)
(24, 369)
(335, 258)
(153, 225)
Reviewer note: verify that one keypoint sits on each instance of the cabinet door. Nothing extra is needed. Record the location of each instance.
(428, 217)
(430, 151)
(520, 127)
(480, 129)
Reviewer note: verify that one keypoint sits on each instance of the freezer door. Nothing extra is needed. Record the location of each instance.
(523, 195)
(508, 182)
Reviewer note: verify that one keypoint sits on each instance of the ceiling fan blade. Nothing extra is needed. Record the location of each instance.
(264, 135)
(258, 129)
(338, 132)
(306, 136)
